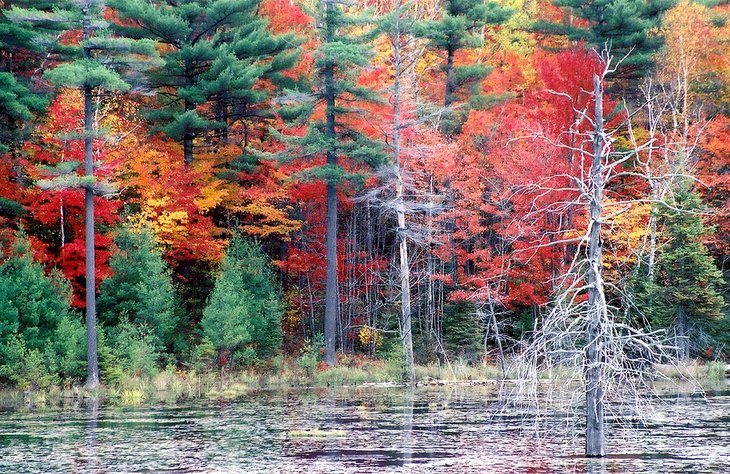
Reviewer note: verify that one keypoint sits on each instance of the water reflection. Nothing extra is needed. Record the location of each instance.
(422, 430)
(88, 459)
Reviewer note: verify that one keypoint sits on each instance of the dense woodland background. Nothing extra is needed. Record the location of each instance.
(449, 136)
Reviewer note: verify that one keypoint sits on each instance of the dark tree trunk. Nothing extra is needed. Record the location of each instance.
(594, 384)
(450, 77)
(92, 378)
(188, 138)
(682, 334)
(331, 291)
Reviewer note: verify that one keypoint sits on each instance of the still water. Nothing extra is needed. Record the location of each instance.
(445, 429)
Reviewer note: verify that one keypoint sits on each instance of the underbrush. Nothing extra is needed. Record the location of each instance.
(172, 385)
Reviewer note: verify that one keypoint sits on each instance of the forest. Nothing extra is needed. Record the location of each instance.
(246, 185)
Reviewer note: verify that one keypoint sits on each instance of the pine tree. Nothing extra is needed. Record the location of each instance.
(140, 288)
(31, 303)
(628, 27)
(38, 334)
(21, 53)
(461, 28)
(243, 315)
(687, 287)
(96, 64)
(339, 59)
(215, 52)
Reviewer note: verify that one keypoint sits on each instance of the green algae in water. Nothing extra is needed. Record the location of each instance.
(317, 433)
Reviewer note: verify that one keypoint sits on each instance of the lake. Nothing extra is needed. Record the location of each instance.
(373, 429)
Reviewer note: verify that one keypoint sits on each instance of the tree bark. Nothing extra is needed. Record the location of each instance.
(92, 360)
(498, 338)
(682, 334)
(450, 77)
(188, 139)
(405, 271)
(594, 384)
(331, 289)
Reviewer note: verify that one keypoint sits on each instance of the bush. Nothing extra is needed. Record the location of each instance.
(311, 354)
(140, 289)
(65, 352)
(243, 314)
(135, 350)
(463, 332)
(39, 336)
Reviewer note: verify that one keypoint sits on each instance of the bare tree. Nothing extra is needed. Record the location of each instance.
(582, 335)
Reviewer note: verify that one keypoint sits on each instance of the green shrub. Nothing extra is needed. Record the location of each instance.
(310, 355)
(24, 367)
(135, 350)
(65, 352)
(243, 314)
(38, 336)
(462, 331)
(140, 288)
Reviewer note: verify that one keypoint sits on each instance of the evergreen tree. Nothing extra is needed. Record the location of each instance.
(96, 64)
(686, 291)
(216, 51)
(21, 53)
(243, 315)
(140, 289)
(38, 333)
(32, 303)
(627, 26)
(338, 61)
(460, 28)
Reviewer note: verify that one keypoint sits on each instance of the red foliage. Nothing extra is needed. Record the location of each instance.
(56, 217)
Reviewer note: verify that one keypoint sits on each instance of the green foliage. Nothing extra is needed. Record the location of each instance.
(462, 331)
(39, 336)
(134, 349)
(215, 53)
(460, 28)
(339, 60)
(140, 288)
(243, 314)
(687, 281)
(65, 351)
(33, 303)
(100, 60)
(86, 73)
(629, 27)
(311, 353)
(20, 99)
(17, 105)
(24, 367)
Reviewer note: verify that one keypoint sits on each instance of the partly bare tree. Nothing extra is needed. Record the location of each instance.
(582, 335)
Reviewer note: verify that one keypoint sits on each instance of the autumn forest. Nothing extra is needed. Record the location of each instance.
(272, 185)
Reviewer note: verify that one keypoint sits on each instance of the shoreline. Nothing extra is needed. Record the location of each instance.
(179, 386)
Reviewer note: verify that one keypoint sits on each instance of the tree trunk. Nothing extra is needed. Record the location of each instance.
(450, 77)
(405, 271)
(682, 334)
(92, 378)
(498, 338)
(188, 137)
(331, 291)
(594, 384)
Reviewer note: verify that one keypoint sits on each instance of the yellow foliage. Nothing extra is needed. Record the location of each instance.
(624, 237)
(167, 225)
(368, 336)
(211, 195)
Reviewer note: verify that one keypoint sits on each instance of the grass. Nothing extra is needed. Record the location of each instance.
(712, 372)
(171, 386)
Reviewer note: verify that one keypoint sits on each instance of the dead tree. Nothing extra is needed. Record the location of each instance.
(581, 335)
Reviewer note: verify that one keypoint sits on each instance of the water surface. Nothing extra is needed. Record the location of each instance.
(445, 429)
